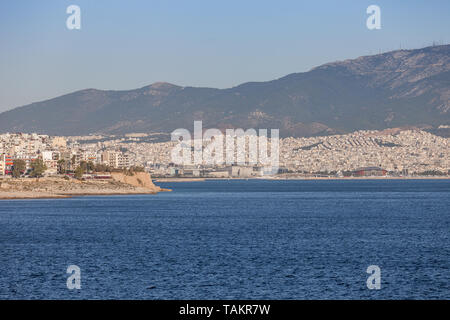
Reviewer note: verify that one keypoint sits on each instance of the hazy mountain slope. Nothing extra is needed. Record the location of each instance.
(406, 87)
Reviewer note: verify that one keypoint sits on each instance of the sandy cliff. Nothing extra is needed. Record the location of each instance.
(58, 187)
(138, 179)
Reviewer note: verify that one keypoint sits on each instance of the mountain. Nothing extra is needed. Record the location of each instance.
(393, 89)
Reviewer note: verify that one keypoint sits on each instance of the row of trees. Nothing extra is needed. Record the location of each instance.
(87, 166)
(90, 167)
(82, 169)
(38, 168)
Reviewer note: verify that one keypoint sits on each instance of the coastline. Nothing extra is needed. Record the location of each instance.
(59, 188)
(300, 178)
(22, 196)
(364, 178)
(40, 195)
(181, 179)
(90, 188)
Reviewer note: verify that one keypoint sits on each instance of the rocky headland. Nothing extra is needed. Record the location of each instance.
(61, 187)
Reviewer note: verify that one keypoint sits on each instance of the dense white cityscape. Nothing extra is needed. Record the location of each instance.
(393, 152)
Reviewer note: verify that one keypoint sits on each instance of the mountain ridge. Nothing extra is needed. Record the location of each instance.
(392, 89)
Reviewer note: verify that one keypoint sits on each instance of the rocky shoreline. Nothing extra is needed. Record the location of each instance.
(59, 187)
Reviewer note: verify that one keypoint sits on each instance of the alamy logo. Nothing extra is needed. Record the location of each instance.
(74, 280)
(374, 20)
(236, 146)
(374, 280)
(74, 20)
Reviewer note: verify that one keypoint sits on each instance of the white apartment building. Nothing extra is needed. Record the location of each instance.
(116, 159)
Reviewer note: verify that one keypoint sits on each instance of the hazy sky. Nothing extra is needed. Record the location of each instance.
(130, 44)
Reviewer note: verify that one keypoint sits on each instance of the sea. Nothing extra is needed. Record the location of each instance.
(233, 239)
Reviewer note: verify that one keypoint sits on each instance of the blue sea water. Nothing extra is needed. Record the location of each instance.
(234, 239)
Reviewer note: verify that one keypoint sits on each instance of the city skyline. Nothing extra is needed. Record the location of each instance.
(396, 151)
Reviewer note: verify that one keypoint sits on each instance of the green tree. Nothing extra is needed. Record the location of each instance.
(38, 168)
(84, 166)
(90, 166)
(74, 161)
(137, 169)
(79, 172)
(61, 166)
(102, 168)
(19, 167)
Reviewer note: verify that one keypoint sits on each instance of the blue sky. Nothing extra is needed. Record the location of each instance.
(130, 44)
